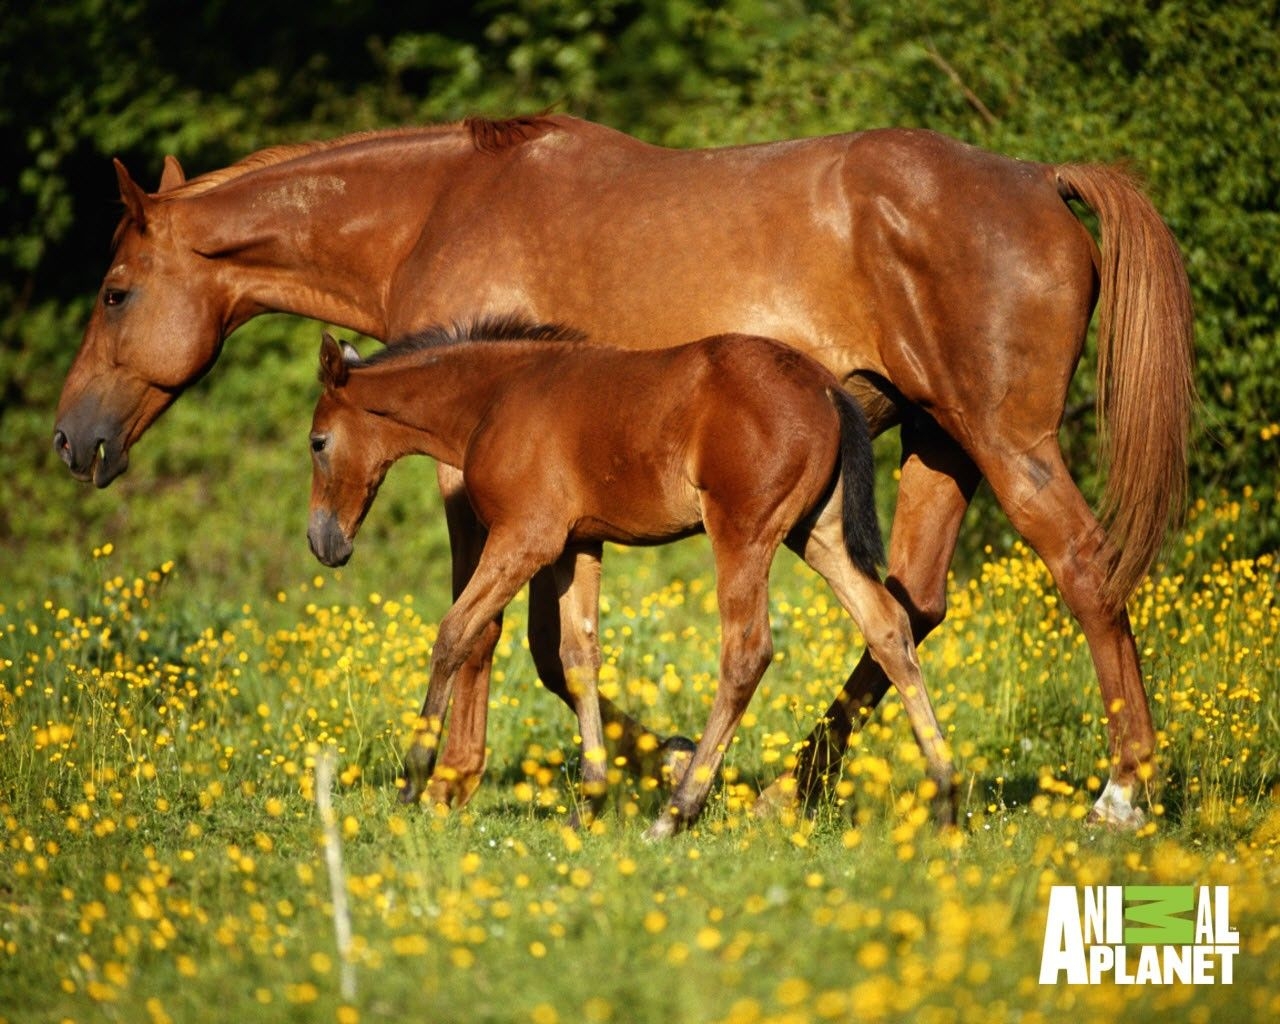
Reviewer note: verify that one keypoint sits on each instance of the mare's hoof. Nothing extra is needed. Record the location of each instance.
(1115, 810)
(664, 828)
(1130, 822)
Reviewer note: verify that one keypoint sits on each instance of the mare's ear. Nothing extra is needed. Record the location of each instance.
(334, 367)
(172, 175)
(135, 200)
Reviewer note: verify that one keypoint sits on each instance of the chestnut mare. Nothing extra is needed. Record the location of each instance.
(948, 288)
(563, 446)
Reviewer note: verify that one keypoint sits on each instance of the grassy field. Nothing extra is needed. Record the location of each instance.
(163, 855)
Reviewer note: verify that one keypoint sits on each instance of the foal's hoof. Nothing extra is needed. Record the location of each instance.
(674, 755)
(419, 762)
(451, 789)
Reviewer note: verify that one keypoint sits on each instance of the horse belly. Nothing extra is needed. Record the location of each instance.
(628, 499)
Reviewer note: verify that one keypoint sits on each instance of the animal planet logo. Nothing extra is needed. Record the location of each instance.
(1090, 933)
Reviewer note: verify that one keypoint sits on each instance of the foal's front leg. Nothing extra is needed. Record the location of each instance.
(506, 564)
(463, 756)
(576, 575)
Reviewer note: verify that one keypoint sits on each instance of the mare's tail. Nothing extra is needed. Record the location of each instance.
(1146, 392)
(862, 536)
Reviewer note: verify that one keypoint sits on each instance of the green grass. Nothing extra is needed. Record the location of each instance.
(163, 855)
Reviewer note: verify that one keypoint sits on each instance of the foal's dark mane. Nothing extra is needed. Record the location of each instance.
(510, 327)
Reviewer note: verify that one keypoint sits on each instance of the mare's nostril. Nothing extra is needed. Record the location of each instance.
(62, 445)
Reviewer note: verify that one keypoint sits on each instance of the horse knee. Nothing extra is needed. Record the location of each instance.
(925, 612)
(891, 642)
(451, 650)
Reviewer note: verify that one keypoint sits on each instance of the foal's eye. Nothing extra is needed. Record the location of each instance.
(114, 296)
(318, 443)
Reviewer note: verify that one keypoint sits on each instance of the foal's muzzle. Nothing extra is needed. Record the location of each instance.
(328, 542)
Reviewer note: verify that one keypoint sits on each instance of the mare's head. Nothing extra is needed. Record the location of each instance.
(347, 462)
(157, 325)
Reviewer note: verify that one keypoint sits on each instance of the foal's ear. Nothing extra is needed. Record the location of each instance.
(135, 200)
(334, 366)
(172, 175)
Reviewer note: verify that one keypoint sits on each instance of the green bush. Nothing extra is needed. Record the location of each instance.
(1187, 92)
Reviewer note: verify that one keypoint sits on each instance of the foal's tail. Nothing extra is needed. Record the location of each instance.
(1146, 393)
(862, 536)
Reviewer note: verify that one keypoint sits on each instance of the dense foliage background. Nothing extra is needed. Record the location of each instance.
(173, 664)
(1188, 92)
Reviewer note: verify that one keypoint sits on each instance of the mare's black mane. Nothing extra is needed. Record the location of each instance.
(509, 327)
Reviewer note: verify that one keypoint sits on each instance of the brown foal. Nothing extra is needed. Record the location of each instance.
(563, 446)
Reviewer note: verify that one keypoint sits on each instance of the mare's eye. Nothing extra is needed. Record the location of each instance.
(318, 442)
(114, 296)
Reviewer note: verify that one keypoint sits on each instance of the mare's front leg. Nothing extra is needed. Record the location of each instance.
(462, 760)
(937, 483)
(508, 561)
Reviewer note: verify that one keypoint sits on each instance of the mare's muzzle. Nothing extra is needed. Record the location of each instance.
(328, 542)
(92, 451)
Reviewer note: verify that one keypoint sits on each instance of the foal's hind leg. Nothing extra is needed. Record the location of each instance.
(937, 483)
(887, 632)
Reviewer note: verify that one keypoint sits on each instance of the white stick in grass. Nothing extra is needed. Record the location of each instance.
(337, 877)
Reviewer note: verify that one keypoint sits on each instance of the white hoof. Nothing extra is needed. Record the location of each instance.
(1115, 809)
(663, 828)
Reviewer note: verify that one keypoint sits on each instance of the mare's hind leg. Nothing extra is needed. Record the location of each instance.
(1045, 506)
(888, 635)
(746, 648)
(509, 559)
(936, 486)
(576, 575)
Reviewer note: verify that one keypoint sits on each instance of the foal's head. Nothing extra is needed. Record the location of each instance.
(347, 461)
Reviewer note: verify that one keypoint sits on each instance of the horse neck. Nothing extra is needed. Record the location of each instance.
(438, 398)
(321, 235)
